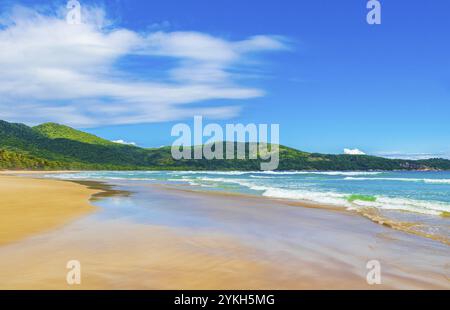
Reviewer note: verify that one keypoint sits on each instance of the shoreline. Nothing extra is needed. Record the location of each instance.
(372, 215)
(230, 170)
(31, 172)
(161, 237)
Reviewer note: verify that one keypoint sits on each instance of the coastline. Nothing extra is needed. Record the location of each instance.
(370, 214)
(240, 242)
(30, 206)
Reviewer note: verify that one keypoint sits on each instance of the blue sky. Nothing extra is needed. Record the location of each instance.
(315, 67)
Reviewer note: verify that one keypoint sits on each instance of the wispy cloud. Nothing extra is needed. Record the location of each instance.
(53, 71)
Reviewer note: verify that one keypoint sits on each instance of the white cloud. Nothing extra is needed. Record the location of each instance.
(124, 142)
(53, 71)
(353, 152)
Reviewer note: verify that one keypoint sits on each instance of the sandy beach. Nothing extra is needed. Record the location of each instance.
(29, 206)
(159, 237)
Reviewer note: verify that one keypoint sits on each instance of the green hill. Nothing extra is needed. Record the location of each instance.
(52, 146)
(57, 131)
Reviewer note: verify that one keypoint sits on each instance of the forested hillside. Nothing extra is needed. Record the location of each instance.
(53, 146)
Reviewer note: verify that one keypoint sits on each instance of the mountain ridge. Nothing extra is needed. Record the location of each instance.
(58, 131)
(52, 146)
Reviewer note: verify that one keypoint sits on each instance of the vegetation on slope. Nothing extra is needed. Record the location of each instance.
(57, 131)
(52, 146)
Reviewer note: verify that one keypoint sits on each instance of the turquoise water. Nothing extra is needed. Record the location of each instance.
(426, 193)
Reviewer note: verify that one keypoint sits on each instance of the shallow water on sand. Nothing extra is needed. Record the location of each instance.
(413, 201)
(414, 191)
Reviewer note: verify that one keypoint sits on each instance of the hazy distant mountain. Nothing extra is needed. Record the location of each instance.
(53, 146)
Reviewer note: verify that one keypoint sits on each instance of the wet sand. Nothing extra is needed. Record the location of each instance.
(165, 238)
(410, 227)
